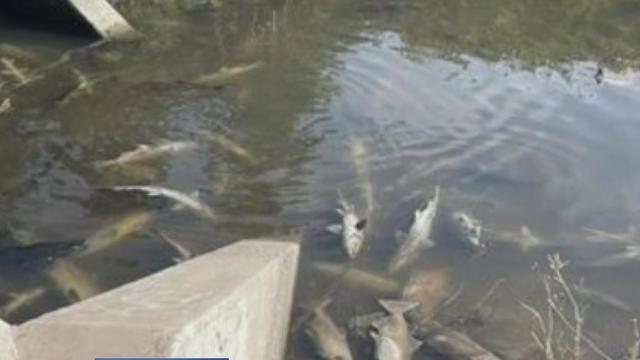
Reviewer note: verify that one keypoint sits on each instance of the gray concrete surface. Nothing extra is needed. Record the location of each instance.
(233, 302)
(104, 19)
(7, 347)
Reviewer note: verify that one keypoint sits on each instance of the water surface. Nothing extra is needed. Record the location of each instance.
(524, 113)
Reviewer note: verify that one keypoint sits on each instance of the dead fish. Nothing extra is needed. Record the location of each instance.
(359, 156)
(469, 229)
(351, 229)
(328, 340)
(525, 240)
(629, 254)
(76, 284)
(358, 278)
(629, 237)
(20, 300)
(419, 236)
(117, 231)
(145, 153)
(15, 71)
(5, 106)
(455, 345)
(226, 74)
(391, 335)
(183, 253)
(190, 202)
(429, 289)
(232, 147)
(601, 298)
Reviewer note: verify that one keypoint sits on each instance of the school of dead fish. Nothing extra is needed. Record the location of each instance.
(389, 330)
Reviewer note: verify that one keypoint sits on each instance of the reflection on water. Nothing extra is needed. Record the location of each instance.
(524, 114)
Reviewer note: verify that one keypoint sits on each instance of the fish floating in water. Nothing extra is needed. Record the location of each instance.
(358, 278)
(20, 300)
(629, 237)
(116, 231)
(226, 74)
(144, 153)
(629, 254)
(525, 240)
(419, 236)
(76, 284)
(191, 202)
(429, 289)
(328, 340)
(232, 147)
(469, 230)
(391, 335)
(351, 229)
(601, 298)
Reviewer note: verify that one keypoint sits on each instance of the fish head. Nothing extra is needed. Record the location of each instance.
(353, 243)
(470, 229)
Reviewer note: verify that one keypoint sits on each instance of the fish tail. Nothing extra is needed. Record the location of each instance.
(397, 306)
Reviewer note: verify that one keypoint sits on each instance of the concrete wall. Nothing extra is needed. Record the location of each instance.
(233, 302)
(7, 347)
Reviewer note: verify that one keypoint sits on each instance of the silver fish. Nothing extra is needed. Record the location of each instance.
(328, 340)
(525, 239)
(391, 335)
(351, 229)
(469, 229)
(455, 345)
(5, 106)
(419, 236)
(358, 278)
(601, 298)
(20, 300)
(190, 202)
(630, 253)
(145, 153)
(226, 74)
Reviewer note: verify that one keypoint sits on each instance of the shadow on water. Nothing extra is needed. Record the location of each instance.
(522, 112)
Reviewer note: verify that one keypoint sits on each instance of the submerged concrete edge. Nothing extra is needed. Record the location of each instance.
(233, 302)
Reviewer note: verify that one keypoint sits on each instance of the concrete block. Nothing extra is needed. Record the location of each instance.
(104, 19)
(234, 302)
(7, 347)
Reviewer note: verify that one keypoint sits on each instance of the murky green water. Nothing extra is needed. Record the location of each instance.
(499, 102)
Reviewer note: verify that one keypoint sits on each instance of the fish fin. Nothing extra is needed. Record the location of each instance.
(335, 228)
(415, 343)
(379, 323)
(194, 195)
(361, 224)
(400, 236)
(397, 306)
